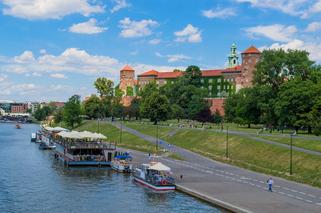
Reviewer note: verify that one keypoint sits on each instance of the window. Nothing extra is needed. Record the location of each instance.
(218, 87)
(219, 80)
(210, 80)
(202, 81)
(210, 87)
(210, 93)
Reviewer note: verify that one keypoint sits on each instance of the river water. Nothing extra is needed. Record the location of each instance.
(31, 180)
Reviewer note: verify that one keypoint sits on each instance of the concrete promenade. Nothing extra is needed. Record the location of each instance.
(234, 188)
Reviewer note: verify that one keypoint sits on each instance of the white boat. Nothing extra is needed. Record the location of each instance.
(121, 163)
(156, 176)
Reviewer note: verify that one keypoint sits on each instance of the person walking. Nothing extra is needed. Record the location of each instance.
(270, 183)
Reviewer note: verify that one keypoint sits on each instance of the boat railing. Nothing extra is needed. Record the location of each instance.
(87, 145)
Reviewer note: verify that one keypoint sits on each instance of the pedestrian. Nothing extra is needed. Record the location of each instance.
(148, 155)
(181, 176)
(270, 183)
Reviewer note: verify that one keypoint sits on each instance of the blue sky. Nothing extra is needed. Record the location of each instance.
(52, 49)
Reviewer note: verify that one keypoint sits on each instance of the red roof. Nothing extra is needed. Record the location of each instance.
(127, 68)
(148, 73)
(169, 74)
(209, 73)
(251, 49)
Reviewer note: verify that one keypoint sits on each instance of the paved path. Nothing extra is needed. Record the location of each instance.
(237, 186)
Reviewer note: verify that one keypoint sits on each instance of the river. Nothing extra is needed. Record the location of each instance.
(31, 180)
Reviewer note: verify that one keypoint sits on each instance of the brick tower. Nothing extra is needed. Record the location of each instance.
(249, 59)
(127, 78)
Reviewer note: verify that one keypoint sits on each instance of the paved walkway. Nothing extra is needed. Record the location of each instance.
(237, 186)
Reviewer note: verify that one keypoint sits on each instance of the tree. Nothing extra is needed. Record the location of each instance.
(177, 112)
(129, 91)
(105, 87)
(42, 113)
(155, 107)
(59, 115)
(72, 111)
(192, 76)
(315, 116)
(217, 117)
(204, 115)
(295, 101)
(93, 107)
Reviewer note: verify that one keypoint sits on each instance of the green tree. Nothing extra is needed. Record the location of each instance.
(204, 115)
(192, 76)
(105, 87)
(72, 111)
(93, 107)
(315, 116)
(42, 113)
(217, 117)
(155, 107)
(59, 115)
(129, 91)
(177, 112)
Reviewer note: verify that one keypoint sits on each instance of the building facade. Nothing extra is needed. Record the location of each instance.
(217, 83)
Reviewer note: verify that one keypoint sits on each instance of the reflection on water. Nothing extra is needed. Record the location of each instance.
(31, 180)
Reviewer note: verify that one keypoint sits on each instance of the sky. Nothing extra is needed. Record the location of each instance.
(52, 49)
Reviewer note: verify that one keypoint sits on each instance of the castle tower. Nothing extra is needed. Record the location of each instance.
(233, 59)
(127, 78)
(249, 59)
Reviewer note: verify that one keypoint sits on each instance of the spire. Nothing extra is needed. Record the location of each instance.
(233, 59)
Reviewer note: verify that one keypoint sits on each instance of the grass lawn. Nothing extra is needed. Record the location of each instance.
(129, 141)
(310, 144)
(243, 152)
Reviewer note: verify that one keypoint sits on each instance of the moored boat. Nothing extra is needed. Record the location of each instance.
(156, 176)
(18, 126)
(122, 163)
(83, 149)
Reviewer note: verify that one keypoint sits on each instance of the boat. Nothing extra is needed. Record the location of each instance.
(83, 149)
(48, 134)
(122, 163)
(33, 137)
(155, 175)
(18, 126)
(38, 137)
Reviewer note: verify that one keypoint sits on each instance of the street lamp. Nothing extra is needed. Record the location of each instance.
(156, 136)
(226, 152)
(291, 147)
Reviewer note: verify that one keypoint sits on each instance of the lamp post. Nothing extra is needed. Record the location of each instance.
(291, 140)
(156, 136)
(226, 152)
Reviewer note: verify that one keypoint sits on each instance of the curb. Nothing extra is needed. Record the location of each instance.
(217, 202)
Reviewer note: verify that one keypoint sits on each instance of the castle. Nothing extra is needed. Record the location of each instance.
(218, 83)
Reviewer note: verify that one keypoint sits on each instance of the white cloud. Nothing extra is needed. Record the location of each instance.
(314, 26)
(131, 29)
(49, 9)
(219, 13)
(276, 32)
(313, 48)
(316, 8)
(177, 57)
(25, 57)
(71, 60)
(188, 34)
(58, 75)
(3, 78)
(154, 41)
(120, 4)
(291, 7)
(173, 57)
(89, 27)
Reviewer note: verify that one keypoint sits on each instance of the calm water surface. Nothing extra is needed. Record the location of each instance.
(32, 181)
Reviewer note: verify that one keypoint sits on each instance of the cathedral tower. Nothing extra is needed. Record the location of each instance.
(233, 59)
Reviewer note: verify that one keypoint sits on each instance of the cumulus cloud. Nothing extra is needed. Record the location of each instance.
(119, 4)
(275, 32)
(189, 34)
(71, 60)
(40, 9)
(219, 13)
(89, 27)
(313, 27)
(132, 29)
(313, 48)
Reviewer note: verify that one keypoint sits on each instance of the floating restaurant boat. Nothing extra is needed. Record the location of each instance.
(83, 149)
(122, 162)
(156, 176)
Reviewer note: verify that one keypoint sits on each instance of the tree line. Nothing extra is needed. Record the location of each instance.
(286, 93)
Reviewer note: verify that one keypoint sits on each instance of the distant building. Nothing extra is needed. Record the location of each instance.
(33, 106)
(19, 108)
(218, 83)
(2, 112)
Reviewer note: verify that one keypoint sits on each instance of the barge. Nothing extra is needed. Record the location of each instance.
(83, 149)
